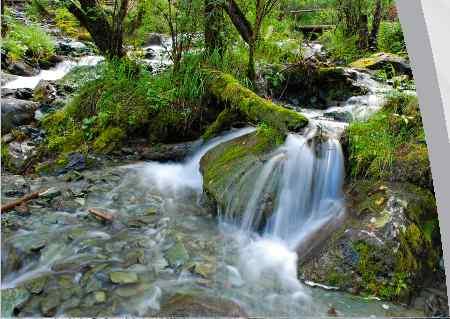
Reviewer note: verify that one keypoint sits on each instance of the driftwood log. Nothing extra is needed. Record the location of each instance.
(10, 206)
(101, 214)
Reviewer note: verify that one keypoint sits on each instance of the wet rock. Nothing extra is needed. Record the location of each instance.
(13, 298)
(50, 62)
(220, 169)
(16, 112)
(149, 53)
(49, 303)
(383, 239)
(50, 193)
(37, 285)
(154, 39)
(21, 94)
(73, 48)
(45, 92)
(204, 269)
(311, 85)
(99, 297)
(133, 257)
(17, 188)
(22, 69)
(382, 60)
(122, 277)
(77, 162)
(128, 291)
(177, 255)
(167, 152)
(20, 153)
(339, 115)
(185, 305)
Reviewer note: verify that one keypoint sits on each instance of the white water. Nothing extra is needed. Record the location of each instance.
(170, 177)
(53, 74)
(311, 190)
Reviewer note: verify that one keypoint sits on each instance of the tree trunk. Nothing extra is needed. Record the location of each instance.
(363, 32)
(239, 20)
(107, 38)
(251, 72)
(373, 38)
(3, 24)
(214, 24)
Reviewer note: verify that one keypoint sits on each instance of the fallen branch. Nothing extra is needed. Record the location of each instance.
(10, 206)
(255, 108)
(101, 214)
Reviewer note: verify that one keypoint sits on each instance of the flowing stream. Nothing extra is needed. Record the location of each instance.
(157, 205)
(53, 74)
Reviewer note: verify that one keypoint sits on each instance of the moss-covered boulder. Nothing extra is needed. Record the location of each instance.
(230, 171)
(389, 244)
(383, 60)
(310, 85)
(194, 305)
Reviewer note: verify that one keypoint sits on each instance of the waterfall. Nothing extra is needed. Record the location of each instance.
(310, 190)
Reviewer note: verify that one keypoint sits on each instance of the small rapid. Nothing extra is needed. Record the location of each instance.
(53, 74)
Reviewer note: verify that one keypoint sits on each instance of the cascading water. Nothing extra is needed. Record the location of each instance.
(311, 189)
(56, 73)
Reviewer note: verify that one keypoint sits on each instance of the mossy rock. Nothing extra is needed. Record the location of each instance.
(310, 85)
(109, 140)
(383, 60)
(231, 169)
(388, 245)
(413, 165)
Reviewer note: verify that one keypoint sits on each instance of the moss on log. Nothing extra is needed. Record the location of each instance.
(257, 109)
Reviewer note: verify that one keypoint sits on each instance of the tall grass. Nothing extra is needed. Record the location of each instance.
(374, 145)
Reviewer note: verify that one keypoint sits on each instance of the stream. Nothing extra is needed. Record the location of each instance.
(164, 238)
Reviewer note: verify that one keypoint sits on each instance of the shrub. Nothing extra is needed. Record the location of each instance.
(28, 41)
(390, 38)
(341, 47)
(381, 147)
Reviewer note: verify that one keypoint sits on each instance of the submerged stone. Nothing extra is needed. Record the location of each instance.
(35, 286)
(177, 255)
(186, 305)
(122, 277)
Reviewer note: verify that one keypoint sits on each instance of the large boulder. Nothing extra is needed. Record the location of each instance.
(22, 69)
(231, 169)
(387, 247)
(311, 85)
(190, 305)
(16, 112)
(382, 60)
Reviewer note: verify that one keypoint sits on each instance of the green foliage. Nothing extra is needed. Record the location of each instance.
(66, 22)
(341, 47)
(380, 142)
(27, 41)
(390, 38)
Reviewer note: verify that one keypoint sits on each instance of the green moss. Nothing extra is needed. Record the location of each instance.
(228, 90)
(224, 121)
(228, 162)
(109, 140)
(5, 157)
